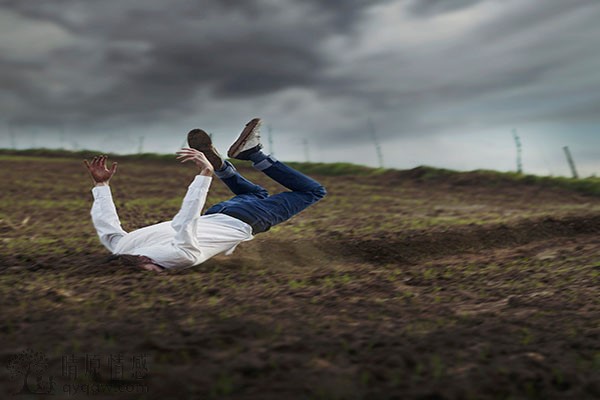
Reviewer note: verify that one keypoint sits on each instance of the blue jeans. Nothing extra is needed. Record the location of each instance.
(252, 203)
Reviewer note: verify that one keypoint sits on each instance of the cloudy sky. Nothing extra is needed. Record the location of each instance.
(444, 82)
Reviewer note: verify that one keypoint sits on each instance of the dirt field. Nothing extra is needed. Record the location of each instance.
(398, 285)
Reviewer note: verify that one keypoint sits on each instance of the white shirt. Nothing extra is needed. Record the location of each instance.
(188, 240)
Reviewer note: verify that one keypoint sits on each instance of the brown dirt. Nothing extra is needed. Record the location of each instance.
(393, 287)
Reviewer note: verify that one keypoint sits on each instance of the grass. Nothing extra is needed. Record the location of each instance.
(589, 185)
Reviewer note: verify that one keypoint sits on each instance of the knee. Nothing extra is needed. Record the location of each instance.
(319, 192)
(262, 193)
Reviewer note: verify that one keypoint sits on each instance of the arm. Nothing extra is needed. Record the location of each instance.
(186, 221)
(105, 218)
(104, 214)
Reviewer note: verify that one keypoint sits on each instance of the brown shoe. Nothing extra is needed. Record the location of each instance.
(201, 141)
(248, 142)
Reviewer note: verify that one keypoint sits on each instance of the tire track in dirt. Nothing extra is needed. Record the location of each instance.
(416, 246)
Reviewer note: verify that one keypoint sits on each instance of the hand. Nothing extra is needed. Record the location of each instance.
(188, 154)
(100, 174)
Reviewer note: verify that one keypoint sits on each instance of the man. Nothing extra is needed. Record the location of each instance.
(191, 238)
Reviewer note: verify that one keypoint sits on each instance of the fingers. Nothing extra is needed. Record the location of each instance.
(197, 158)
(189, 158)
(187, 150)
(113, 168)
(97, 162)
(93, 164)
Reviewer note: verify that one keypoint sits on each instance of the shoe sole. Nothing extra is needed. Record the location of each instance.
(202, 142)
(234, 150)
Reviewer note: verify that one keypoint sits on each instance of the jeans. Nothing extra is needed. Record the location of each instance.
(252, 203)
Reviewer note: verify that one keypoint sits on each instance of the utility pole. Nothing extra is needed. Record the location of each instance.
(519, 151)
(306, 155)
(141, 145)
(375, 142)
(270, 138)
(13, 140)
(571, 162)
(33, 138)
(62, 138)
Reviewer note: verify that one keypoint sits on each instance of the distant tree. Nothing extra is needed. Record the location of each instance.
(27, 363)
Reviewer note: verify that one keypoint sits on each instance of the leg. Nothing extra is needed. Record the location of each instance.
(286, 175)
(266, 212)
(305, 191)
(243, 189)
(237, 183)
(262, 213)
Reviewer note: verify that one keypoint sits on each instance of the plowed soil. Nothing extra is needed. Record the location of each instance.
(392, 287)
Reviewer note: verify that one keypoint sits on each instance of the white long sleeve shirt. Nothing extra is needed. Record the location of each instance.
(188, 240)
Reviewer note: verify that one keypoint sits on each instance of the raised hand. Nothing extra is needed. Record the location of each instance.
(97, 167)
(198, 158)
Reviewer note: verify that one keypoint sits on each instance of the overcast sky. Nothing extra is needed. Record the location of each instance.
(444, 82)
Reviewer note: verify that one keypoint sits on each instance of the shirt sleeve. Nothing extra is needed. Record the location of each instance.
(185, 222)
(105, 218)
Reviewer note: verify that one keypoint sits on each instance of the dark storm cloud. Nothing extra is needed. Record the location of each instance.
(417, 68)
(149, 59)
(513, 69)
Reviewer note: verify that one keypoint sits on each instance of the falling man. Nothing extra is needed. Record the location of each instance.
(192, 238)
